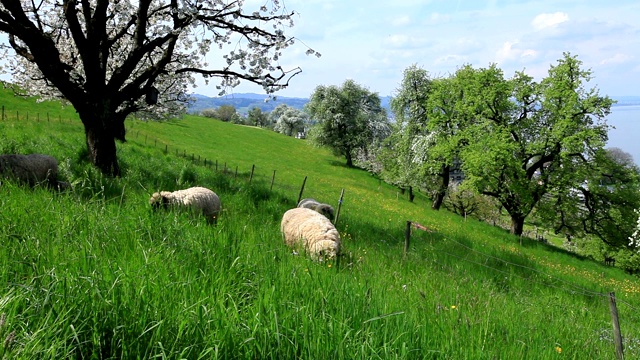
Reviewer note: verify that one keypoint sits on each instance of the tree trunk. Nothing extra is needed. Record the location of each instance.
(349, 159)
(517, 224)
(101, 144)
(442, 189)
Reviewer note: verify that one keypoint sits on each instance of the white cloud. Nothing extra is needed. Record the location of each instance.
(506, 52)
(544, 21)
(437, 18)
(401, 21)
(396, 40)
(450, 59)
(511, 52)
(616, 59)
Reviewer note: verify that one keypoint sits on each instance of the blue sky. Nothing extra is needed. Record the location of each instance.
(373, 42)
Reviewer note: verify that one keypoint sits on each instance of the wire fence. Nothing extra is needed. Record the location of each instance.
(550, 281)
(540, 278)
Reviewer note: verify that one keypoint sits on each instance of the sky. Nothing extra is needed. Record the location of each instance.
(372, 42)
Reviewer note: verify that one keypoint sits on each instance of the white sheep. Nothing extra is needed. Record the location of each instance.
(198, 199)
(312, 231)
(32, 169)
(324, 209)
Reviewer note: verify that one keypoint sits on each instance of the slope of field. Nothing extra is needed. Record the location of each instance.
(95, 273)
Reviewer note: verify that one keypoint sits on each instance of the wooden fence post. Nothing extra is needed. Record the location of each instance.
(617, 337)
(273, 179)
(301, 190)
(253, 167)
(407, 237)
(335, 221)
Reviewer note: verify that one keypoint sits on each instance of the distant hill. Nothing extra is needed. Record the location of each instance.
(245, 101)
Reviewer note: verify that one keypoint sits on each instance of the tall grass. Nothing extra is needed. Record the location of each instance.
(94, 273)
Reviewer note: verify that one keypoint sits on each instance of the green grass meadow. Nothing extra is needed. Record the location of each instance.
(95, 273)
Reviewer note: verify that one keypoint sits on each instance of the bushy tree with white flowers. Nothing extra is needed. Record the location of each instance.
(349, 119)
(110, 59)
(288, 120)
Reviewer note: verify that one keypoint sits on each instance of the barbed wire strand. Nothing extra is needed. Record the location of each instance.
(578, 289)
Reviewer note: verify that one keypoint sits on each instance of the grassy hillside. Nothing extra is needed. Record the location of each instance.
(94, 273)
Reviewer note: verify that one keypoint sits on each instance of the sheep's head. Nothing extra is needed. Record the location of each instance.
(326, 210)
(325, 250)
(157, 200)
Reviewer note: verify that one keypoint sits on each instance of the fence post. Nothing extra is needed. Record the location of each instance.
(617, 337)
(335, 221)
(272, 180)
(301, 190)
(407, 237)
(253, 167)
(2, 112)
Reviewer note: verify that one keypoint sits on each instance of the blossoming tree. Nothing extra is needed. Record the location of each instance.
(111, 58)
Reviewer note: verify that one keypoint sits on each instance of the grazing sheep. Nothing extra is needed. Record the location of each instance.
(197, 199)
(311, 230)
(324, 209)
(31, 169)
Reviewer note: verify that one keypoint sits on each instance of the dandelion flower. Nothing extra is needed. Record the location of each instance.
(558, 349)
(453, 307)
(328, 265)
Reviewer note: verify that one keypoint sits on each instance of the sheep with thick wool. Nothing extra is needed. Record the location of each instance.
(312, 231)
(324, 209)
(32, 169)
(197, 199)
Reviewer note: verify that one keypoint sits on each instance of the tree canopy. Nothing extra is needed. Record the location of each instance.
(349, 118)
(110, 59)
(288, 120)
(528, 138)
